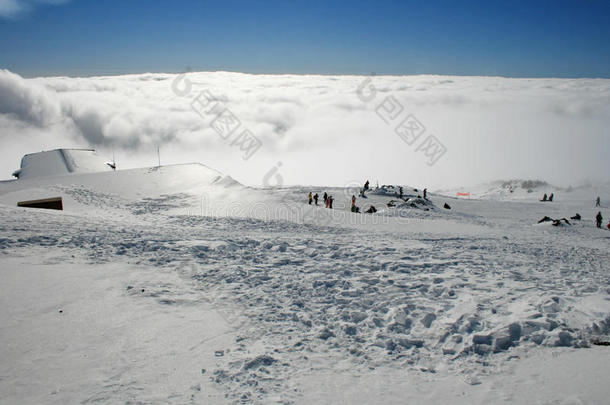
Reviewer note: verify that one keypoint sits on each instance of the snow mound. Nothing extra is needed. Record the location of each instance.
(394, 191)
(136, 191)
(417, 202)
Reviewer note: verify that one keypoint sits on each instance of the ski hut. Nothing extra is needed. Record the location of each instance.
(59, 162)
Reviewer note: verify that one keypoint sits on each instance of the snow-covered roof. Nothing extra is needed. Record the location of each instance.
(60, 162)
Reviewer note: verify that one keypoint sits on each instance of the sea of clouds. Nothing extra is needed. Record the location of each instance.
(316, 129)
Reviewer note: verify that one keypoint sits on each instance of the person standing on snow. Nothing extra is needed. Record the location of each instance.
(366, 186)
(425, 193)
(325, 197)
(599, 219)
(330, 202)
(315, 198)
(597, 201)
(310, 198)
(551, 197)
(353, 203)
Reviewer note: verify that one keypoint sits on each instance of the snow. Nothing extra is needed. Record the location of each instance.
(178, 284)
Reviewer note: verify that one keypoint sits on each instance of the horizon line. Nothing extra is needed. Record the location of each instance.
(129, 72)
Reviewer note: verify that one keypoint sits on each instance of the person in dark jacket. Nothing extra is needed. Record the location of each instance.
(366, 186)
(325, 197)
(330, 202)
(425, 193)
(599, 219)
(315, 198)
(544, 198)
(551, 197)
(597, 202)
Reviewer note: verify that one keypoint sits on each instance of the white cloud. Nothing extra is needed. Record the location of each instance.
(553, 129)
(15, 8)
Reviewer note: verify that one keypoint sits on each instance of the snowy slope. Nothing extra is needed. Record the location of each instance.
(264, 298)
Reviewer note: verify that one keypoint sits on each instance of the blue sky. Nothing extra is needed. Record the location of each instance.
(554, 38)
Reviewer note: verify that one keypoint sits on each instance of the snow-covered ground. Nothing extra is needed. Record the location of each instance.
(176, 284)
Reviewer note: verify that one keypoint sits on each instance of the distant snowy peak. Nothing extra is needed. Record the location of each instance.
(516, 188)
(532, 190)
(504, 189)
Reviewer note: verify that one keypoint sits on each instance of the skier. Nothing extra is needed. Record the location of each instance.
(353, 203)
(310, 198)
(425, 193)
(330, 202)
(325, 198)
(599, 219)
(597, 201)
(551, 197)
(400, 192)
(366, 186)
(315, 198)
(544, 198)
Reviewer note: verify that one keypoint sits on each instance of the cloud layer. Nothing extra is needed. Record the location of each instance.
(319, 128)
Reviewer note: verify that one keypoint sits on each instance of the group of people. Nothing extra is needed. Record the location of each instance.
(328, 199)
(328, 202)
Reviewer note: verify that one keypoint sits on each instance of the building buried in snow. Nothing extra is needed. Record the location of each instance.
(54, 203)
(59, 162)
